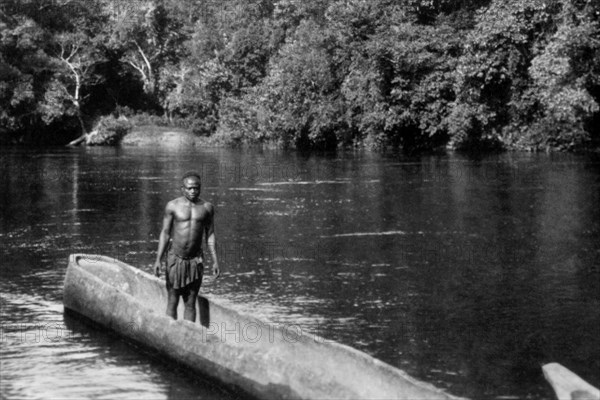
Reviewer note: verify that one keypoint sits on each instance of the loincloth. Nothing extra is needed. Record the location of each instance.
(183, 271)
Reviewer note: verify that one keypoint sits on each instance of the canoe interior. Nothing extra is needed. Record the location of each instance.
(231, 346)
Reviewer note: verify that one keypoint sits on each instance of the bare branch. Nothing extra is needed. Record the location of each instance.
(74, 51)
(139, 69)
(144, 57)
(62, 51)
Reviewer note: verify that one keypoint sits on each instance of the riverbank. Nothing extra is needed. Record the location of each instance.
(171, 136)
(152, 135)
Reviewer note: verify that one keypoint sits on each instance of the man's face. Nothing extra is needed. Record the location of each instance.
(191, 188)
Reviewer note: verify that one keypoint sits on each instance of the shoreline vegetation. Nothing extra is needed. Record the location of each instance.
(419, 75)
(172, 136)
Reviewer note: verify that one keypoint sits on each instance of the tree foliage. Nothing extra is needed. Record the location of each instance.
(526, 76)
(308, 73)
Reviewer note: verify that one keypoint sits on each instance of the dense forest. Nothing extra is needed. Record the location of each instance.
(418, 74)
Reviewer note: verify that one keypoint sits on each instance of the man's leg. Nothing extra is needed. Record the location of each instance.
(189, 298)
(172, 294)
(172, 302)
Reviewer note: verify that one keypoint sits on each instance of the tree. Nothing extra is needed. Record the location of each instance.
(150, 39)
(246, 56)
(563, 74)
(527, 75)
(400, 91)
(77, 56)
(51, 55)
(301, 91)
(196, 94)
(22, 67)
(492, 73)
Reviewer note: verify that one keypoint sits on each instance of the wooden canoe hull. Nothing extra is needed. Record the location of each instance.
(262, 359)
(567, 385)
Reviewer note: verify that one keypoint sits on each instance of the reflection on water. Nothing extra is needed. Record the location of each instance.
(46, 354)
(466, 273)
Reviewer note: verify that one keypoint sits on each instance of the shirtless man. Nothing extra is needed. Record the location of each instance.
(187, 219)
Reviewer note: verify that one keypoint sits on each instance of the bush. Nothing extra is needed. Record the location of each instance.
(109, 131)
(143, 118)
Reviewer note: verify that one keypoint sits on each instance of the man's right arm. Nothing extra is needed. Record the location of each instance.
(163, 240)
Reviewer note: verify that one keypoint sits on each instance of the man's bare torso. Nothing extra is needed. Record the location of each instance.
(190, 220)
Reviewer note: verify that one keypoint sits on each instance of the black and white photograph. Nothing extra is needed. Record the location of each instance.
(300, 199)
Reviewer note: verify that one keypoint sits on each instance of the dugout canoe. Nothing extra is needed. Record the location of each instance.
(567, 385)
(263, 360)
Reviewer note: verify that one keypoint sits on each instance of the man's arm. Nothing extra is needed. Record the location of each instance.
(163, 240)
(211, 241)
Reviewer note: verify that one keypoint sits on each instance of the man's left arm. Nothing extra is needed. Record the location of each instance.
(211, 241)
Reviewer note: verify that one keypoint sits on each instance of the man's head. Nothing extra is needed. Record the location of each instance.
(190, 185)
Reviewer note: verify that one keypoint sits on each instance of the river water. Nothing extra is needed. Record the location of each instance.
(466, 273)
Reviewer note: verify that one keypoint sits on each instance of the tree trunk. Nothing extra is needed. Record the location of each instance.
(78, 140)
(83, 136)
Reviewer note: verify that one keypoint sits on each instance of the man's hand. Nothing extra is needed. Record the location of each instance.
(215, 270)
(157, 268)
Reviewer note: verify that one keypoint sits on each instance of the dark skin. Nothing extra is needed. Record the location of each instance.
(187, 221)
